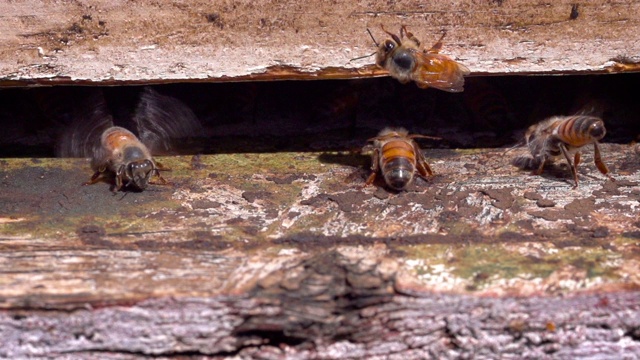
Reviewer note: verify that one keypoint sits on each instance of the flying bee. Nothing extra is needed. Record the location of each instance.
(397, 156)
(122, 154)
(564, 135)
(401, 56)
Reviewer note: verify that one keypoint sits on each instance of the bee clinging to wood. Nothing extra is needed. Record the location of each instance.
(563, 136)
(397, 156)
(121, 153)
(401, 56)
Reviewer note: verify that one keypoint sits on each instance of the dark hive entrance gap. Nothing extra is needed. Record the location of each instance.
(323, 115)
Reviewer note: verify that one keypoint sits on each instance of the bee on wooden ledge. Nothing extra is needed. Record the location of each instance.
(397, 156)
(563, 136)
(401, 56)
(121, 154)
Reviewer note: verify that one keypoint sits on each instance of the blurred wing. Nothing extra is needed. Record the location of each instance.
(90, 118)
(440, 72)
(164, 123)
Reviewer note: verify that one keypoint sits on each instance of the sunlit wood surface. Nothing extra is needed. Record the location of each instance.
(49, 41)
(288, 254)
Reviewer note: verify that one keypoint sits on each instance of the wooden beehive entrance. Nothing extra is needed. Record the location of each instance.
(337, 115)
(266, 209)
(264, 243)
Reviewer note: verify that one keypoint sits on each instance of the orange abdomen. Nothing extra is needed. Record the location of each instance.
(397, 148)
(398, 163)
(580, 130)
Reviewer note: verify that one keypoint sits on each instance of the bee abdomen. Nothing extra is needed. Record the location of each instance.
(398, 172)
(580, 130)
(397, 148)
(398, 163)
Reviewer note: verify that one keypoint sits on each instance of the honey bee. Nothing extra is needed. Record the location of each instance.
(397, 156)
(564, 135)
(122, 154)
(401, 56)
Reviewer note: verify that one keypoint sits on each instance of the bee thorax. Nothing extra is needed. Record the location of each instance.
(403, 60)
(132, 153)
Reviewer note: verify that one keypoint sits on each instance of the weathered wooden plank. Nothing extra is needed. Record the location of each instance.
(477, 208)
(333, 307)
(56, 42)
(286, 253)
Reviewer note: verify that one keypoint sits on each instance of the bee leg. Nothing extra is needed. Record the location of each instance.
(572, 165)
(405, 33)
(597, 158)
(161, 167)
(370, 179)
(160, 178)
(94, 178)
(375, 167)
(538, 171)
(119, 183)
(157, 168)
(424, 170)
(393, 36)
(437, 46)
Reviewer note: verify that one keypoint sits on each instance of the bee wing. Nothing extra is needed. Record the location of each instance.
(91, 118)
(164, 122)
(439, 71)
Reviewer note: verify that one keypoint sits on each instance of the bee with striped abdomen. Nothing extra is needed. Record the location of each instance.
(563, 136)
(397, 156)
(401, 56)
(120, 153)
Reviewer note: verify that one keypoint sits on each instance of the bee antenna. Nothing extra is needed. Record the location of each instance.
(417, 136)
(362, 57)
(372, 38)
(403, 30)
(517, 145)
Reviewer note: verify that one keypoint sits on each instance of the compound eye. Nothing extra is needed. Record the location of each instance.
(389, 45)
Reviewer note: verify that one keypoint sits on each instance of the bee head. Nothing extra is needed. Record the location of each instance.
(597, 130)
(384, 51)
(139, 172)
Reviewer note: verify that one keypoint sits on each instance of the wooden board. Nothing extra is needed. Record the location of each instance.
(54, 42)
(287, 254)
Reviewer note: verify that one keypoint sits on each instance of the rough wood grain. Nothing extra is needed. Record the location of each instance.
(285, 255)
(336, 305)
(53, 42)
